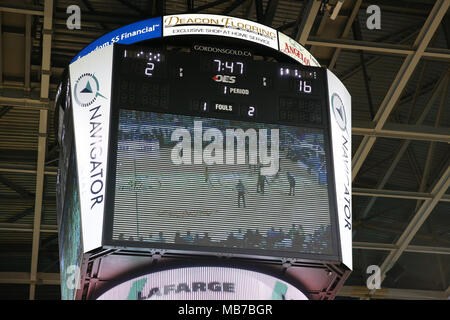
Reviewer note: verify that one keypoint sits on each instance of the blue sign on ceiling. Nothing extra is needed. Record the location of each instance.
(135, 32)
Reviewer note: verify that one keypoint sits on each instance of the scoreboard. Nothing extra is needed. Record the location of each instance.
(190, 146)
(211, 84)
(214, 152)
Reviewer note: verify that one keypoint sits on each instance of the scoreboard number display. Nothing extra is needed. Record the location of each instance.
(213, 151)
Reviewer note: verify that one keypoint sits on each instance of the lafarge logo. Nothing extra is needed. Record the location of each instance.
(209, 283)
(339, 111)
(87, 89)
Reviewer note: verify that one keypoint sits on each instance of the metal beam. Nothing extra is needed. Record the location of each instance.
(160, 7)
(51, 239)
(24, 278)
(379, 48)
(406, 131)
(447, 293)
(25, 103)
(207, 6)
(1, 50)
(357, 34)
(15, 187)
(407, 7)
(4, 110)
(20, 215)
(407, 36)
(270, 12)
(28, 170)
(395, 194)
(250, 10)
(27, 61)
(22, 227)
(21, 9)
(233, 6)
(426, 170)
(85, 4)
(347, 29)
(392, 247)
(438, 258)
(42, 140)
(42, 144)
(400, 81)
(416, 222)
(18, 200)
(190, 5)
(131, 6)
(309, 16)
(405, 144)
(426, 174)
(397, 229)
(446, 28)
(391, 293)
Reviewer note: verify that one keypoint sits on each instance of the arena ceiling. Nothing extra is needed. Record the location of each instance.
(398, 77)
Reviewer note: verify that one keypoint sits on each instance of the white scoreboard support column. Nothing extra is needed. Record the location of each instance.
(341, 140)
(90, 85)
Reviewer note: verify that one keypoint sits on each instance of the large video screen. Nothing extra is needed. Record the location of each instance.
(221, 183)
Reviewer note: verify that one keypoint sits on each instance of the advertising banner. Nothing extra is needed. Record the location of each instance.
(204, 283)
(341, 136)
(217, 25)
(296, 51)
(135, 32)
(90, 81)
(203, 24)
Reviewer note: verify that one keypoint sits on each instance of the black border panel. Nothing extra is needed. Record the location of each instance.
(257, 254)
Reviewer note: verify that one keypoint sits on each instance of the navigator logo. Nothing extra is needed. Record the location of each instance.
(339, 111)
(87, 90)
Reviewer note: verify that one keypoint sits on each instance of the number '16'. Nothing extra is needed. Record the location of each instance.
(304, 87)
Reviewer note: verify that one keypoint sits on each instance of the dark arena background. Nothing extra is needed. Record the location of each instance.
(224, 150)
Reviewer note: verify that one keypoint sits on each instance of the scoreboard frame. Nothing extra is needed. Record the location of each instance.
(273, 254)
(319, 276)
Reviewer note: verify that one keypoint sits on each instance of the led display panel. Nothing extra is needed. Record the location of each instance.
(211, 151)
(216, 182)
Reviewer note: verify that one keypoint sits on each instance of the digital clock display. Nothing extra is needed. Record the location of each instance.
(229, 67)
(220, 85)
